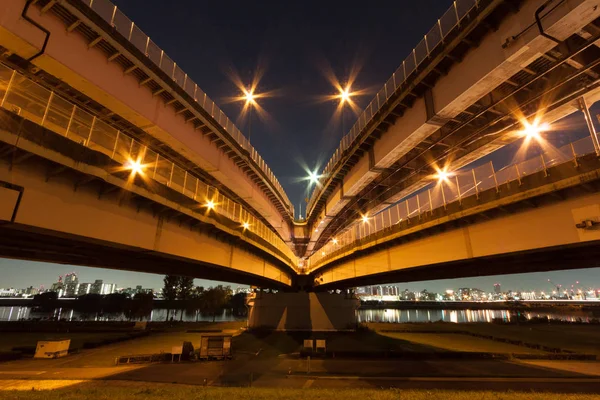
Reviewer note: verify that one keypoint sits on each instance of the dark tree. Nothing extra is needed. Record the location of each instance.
(46, 301)
(89, 303)
(116, 303)
(238, 304)
(185, 292)
(170, 289)
(141, 305)
(215, 299)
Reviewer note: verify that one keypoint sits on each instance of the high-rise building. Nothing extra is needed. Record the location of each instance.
(96, 287)
(497, 288)
(58, 286)
(71, 284)
(84, 288)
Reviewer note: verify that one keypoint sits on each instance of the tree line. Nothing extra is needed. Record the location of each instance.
(211, 301)
(179, 294)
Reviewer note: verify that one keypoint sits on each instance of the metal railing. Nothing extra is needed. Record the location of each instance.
(44, 107)
(127, 28)
(457, 187)
(421, 52)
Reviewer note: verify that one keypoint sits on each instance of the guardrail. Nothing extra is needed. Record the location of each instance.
(127, 28)
(421, 52)
(42, 106)
(456, 187)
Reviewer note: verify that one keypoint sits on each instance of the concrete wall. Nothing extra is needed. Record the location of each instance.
(69, 58)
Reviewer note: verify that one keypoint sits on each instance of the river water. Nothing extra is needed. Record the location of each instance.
(17, 313)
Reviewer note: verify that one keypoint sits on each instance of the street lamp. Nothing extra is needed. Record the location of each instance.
(250, 99)
(344, 97)
(313, 177)
(135, 166)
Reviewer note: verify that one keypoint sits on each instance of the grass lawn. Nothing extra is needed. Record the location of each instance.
(126, 390)
(578, 338)
(457, 342)
(18, 339)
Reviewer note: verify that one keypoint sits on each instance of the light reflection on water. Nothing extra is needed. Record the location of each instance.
(459, 316)
(17, 313)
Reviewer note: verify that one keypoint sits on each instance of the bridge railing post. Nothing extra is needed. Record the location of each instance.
(418, 207)
(544, 165)
(458, 189)
(443, 194)
(495, 179)
(430, 202)
(574, 155)
(47, 108)
(518, 174)
(475, 184)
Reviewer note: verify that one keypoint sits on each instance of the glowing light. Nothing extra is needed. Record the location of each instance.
(443, 175)
(345, 94)
(249, 96)
(533, 130)
(246, 225)
(210, 205)
(365, 219)
(135, 166)
(322, 253)
(313, 177)
(334, 241)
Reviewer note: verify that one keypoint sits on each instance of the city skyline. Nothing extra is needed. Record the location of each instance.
(47, 273)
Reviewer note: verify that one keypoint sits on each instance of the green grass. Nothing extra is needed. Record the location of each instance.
(578, 338)
(18, 339)
(125, 391)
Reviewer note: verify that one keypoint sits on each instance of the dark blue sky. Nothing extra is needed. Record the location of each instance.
(292, 41)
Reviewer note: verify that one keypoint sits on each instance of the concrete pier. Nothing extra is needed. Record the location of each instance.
(302, 311)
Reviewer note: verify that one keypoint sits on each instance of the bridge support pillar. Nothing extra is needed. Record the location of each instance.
(302, 311)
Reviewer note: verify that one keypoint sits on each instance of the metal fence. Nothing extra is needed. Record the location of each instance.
(123, 25)
(42, 106)
(421, 52)
(456, 187)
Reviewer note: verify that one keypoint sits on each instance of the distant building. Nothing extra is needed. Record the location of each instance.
(10, 292)
(71, 284)
(497, 288)
(58, 286)
(31, 291)
(84, 288)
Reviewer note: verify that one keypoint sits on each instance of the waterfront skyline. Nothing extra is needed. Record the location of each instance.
(22, 274)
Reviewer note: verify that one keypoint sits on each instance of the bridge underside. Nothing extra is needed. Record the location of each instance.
(61, 202)
(531, 226)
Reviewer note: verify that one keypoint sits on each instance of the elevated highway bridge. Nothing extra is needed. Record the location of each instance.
(111, 156)
(464, 92)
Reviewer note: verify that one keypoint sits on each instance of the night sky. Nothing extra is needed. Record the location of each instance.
(292, 44)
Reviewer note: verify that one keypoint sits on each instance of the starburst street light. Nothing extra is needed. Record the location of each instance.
(249, 96)
(246, 225)
(533, 130)
(345, 95)
(442, 175)
(135, 166)
(210, 205)
(313, 177)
